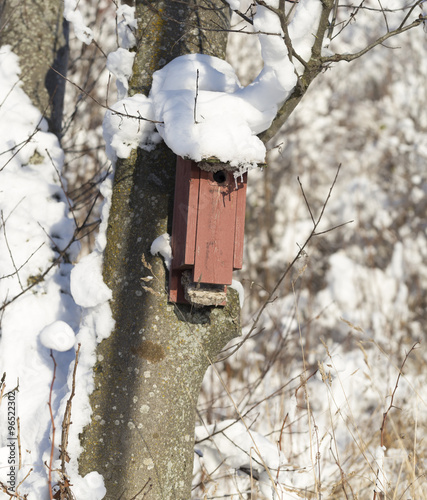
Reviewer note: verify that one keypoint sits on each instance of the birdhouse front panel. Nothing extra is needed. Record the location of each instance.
(216, 228)
(207, 230)
(214, 254)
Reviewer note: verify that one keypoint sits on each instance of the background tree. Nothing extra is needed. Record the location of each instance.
(38, 33)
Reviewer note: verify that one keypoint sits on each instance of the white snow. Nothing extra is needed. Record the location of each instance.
(239, 448)
(120, 63)
(125, 128)
(74, 16)
(214, 124)
(162, 246)
(92, 484)
(303, 28)
(242, 453)
(87, 286)
(234, 4)
(58, 336)
(236, 285)
(126, 26)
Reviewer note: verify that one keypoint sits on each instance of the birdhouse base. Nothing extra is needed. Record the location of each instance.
(203, 294)
(183, 290)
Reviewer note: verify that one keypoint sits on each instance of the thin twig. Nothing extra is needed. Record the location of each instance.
(114, 111)
(239, 13)
(22, 265)
(10, 251)
(306, 201)
(66, 422)
(280, 441)
(18, 424)
(70, 205)
(61, 255)
(22, 144)
(196, 96)
(391, 405)
(40, 277)
(142, 490)
(379, 41)
(52, 447)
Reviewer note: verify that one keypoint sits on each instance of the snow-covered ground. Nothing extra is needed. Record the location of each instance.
(308, 389)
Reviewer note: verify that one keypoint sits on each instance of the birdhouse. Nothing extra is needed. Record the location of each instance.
(207, 232)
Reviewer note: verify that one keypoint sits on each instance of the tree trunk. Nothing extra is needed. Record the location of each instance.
(149, 371)
(38, 34)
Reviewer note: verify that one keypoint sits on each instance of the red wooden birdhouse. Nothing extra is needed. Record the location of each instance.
(207, 232)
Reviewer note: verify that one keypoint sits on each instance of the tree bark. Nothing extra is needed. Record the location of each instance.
(38, 34)
(149, 371)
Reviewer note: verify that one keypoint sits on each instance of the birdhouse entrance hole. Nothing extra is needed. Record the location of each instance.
(207, 232)
(220, 177)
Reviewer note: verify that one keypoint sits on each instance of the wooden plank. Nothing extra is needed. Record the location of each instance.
(176, 290)
(183, 240)
(185, 211)
(239, 235)
(192, 214)
(214, 254)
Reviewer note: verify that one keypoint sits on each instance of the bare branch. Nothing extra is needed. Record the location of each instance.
(333, 20)
(379, 41)
(126, 115)
(10, 251)
(312, 68)
(306, 201)
(22, 144)
(70, 205)
(64, 484)
(239, 13)
(41, 276)
(22, 265)
(318, 63)
(52, 446)
(410, 12)
(391, 405)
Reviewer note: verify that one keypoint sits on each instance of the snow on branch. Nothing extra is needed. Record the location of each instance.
(73, 15)
(198, 106)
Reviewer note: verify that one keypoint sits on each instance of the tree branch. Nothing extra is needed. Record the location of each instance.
(317, 63)
(379, 41)
(239, 13)
(311, 69)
